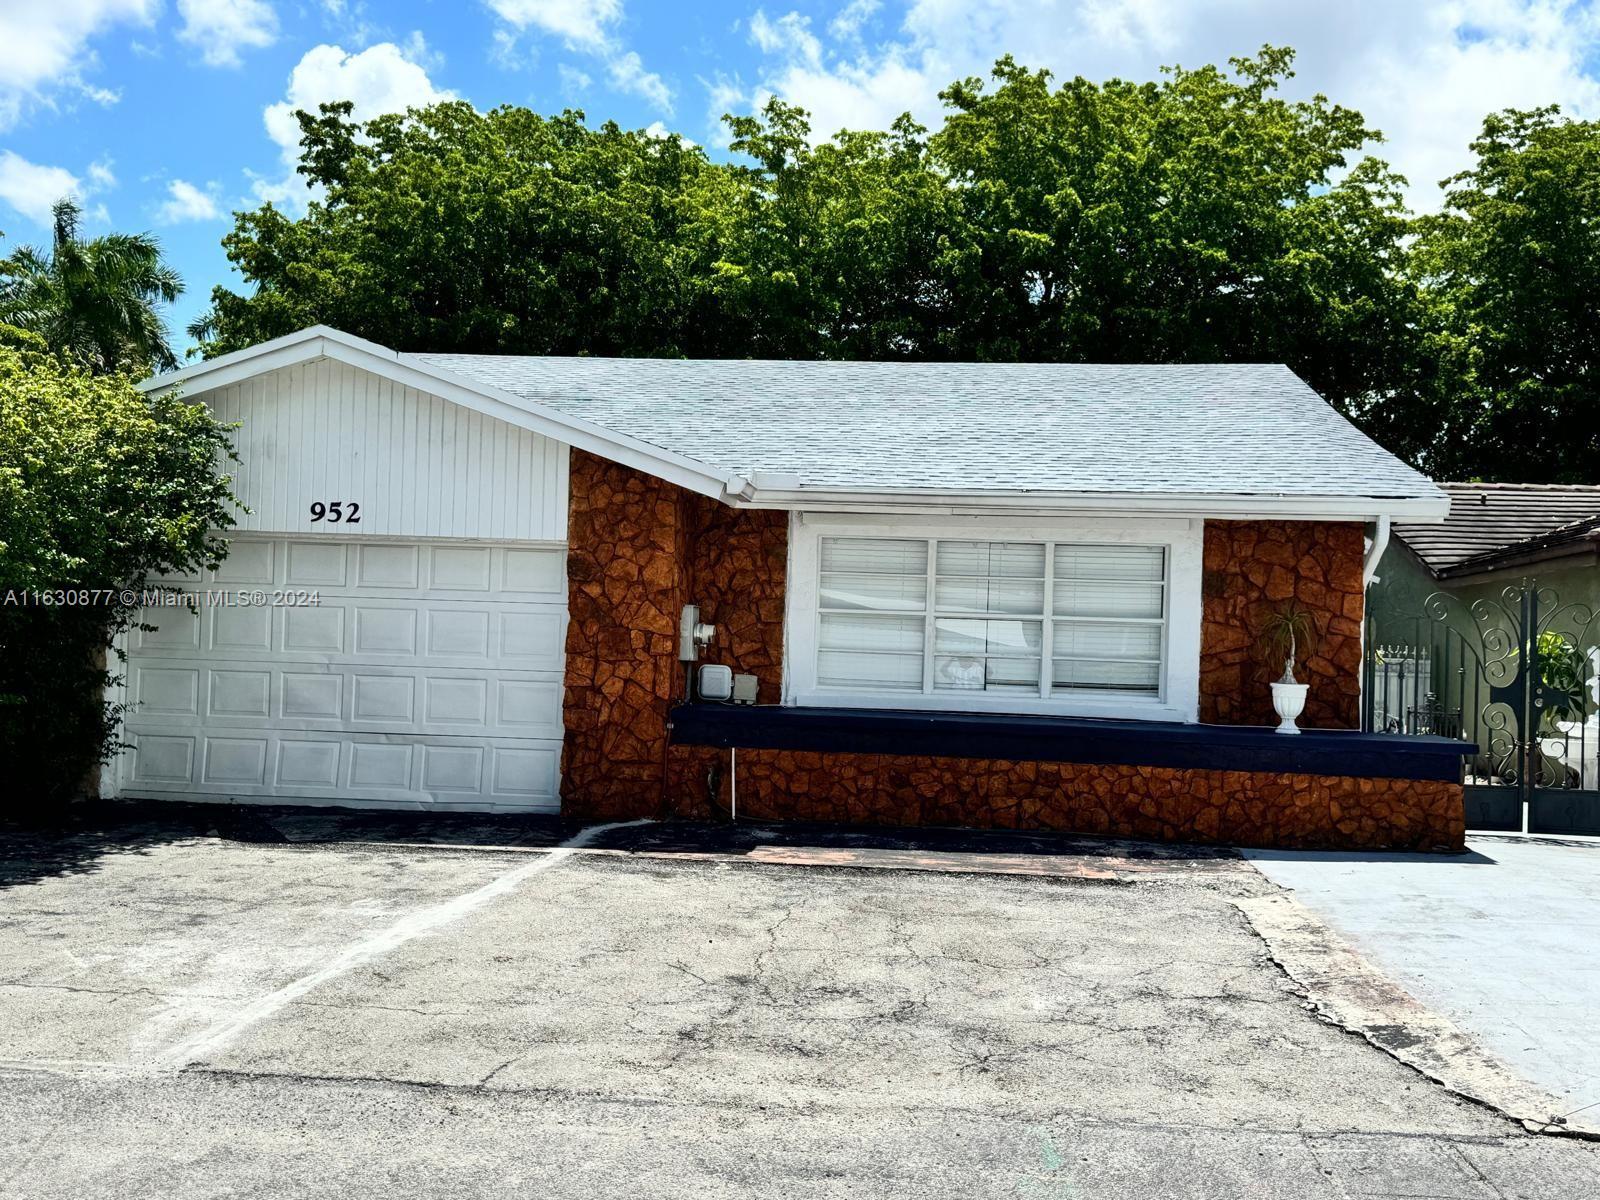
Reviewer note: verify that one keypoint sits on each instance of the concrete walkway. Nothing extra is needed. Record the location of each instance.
(1504, 940)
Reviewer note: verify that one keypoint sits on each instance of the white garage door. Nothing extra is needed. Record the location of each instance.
(426, 674)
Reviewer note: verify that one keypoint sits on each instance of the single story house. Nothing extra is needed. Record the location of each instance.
(991, 595)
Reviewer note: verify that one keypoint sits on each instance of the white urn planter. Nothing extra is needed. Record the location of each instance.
(1288, 701)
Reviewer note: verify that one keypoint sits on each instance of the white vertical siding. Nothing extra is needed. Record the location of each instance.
(418, 466)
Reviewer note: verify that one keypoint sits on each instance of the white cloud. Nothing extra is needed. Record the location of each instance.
(583, 23)
(350, 20)
(44, 47)
(790, 35)
(101, 176)
(380, 79)
(724, 94)
(627, 74)
(847, 22)
(186, 202)
(573, 81)
(384, 78)
(1424, 73)
(31, 188)
(659, 131)
(286, 191)
(220, 29)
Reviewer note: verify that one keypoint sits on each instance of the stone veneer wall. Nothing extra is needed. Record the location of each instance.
(625, 584)
(641, 548)
(1241, 808)
(638, 550)
(1251, 566)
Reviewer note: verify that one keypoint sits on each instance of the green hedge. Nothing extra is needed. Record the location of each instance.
(101, 487)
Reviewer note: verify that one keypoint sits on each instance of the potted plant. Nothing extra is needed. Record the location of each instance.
(1285, 630)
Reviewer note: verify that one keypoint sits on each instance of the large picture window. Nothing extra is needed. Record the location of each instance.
(1028, 625)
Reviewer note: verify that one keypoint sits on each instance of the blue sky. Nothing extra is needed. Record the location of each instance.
(168, 115)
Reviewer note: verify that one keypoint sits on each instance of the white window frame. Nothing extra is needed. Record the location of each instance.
(1178, 697)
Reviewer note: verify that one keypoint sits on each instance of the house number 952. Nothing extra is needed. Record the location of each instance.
(347, 511)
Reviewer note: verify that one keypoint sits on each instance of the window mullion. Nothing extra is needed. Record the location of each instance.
(1048, 631)
(927, 618)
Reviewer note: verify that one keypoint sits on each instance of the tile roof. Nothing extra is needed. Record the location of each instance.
(1226, 429)
(1489, 519)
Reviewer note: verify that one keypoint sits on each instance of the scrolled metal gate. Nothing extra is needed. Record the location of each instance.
(1519, 674)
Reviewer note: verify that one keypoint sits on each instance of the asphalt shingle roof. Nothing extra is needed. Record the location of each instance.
(1254, 429)
(1488, 518)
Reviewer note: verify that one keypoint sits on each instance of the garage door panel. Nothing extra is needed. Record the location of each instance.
(377, 698)
(163, 758)
(535, 572)
(169, 691)
(167, 629)
(383, 699)
(384, 630)
(531, 640)
(309, 696)
(425, 675)
(317, 565)
(235, 629)
(308, 763)
(249, 561)
(381, 568)
(235, 761)
(284, 766)
(309, 630)
(457, 633)
(455, 701)
(523, 773)
(239, 693)
(377, 767)
(459, 568)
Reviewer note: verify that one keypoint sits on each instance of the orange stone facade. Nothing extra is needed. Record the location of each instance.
(1250, 568)
(640, 548)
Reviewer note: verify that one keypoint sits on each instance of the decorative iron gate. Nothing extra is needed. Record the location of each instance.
(1519, 674)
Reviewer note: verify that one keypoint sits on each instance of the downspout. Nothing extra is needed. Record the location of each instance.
(1380, 543)
(1369, 576)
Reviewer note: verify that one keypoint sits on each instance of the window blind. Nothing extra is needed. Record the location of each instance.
(942, 616)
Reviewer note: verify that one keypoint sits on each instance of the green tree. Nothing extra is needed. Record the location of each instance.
(1201, 218)
(451, 229)
(836, 250)
(101, 487)
(93, 300)
(1511, 272)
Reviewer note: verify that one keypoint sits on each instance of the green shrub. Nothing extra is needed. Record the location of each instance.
(101, 487)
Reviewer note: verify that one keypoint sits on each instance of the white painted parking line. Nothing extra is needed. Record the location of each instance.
(414, 925)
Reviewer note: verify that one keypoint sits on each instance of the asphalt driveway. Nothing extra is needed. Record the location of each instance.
(305, 1008)
(1504, 940)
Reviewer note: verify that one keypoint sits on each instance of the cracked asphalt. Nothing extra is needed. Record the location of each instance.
(665, 1018)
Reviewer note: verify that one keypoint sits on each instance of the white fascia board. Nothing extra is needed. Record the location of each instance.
(305, 346)
(1229, 506)
(320, 342)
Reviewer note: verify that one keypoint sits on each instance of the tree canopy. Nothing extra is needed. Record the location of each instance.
(1201, 217)
(1511, 271)
(95, 301)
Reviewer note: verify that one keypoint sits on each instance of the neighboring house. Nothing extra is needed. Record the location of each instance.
(1497, 535)
(1019, 596)
(1446, 624)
